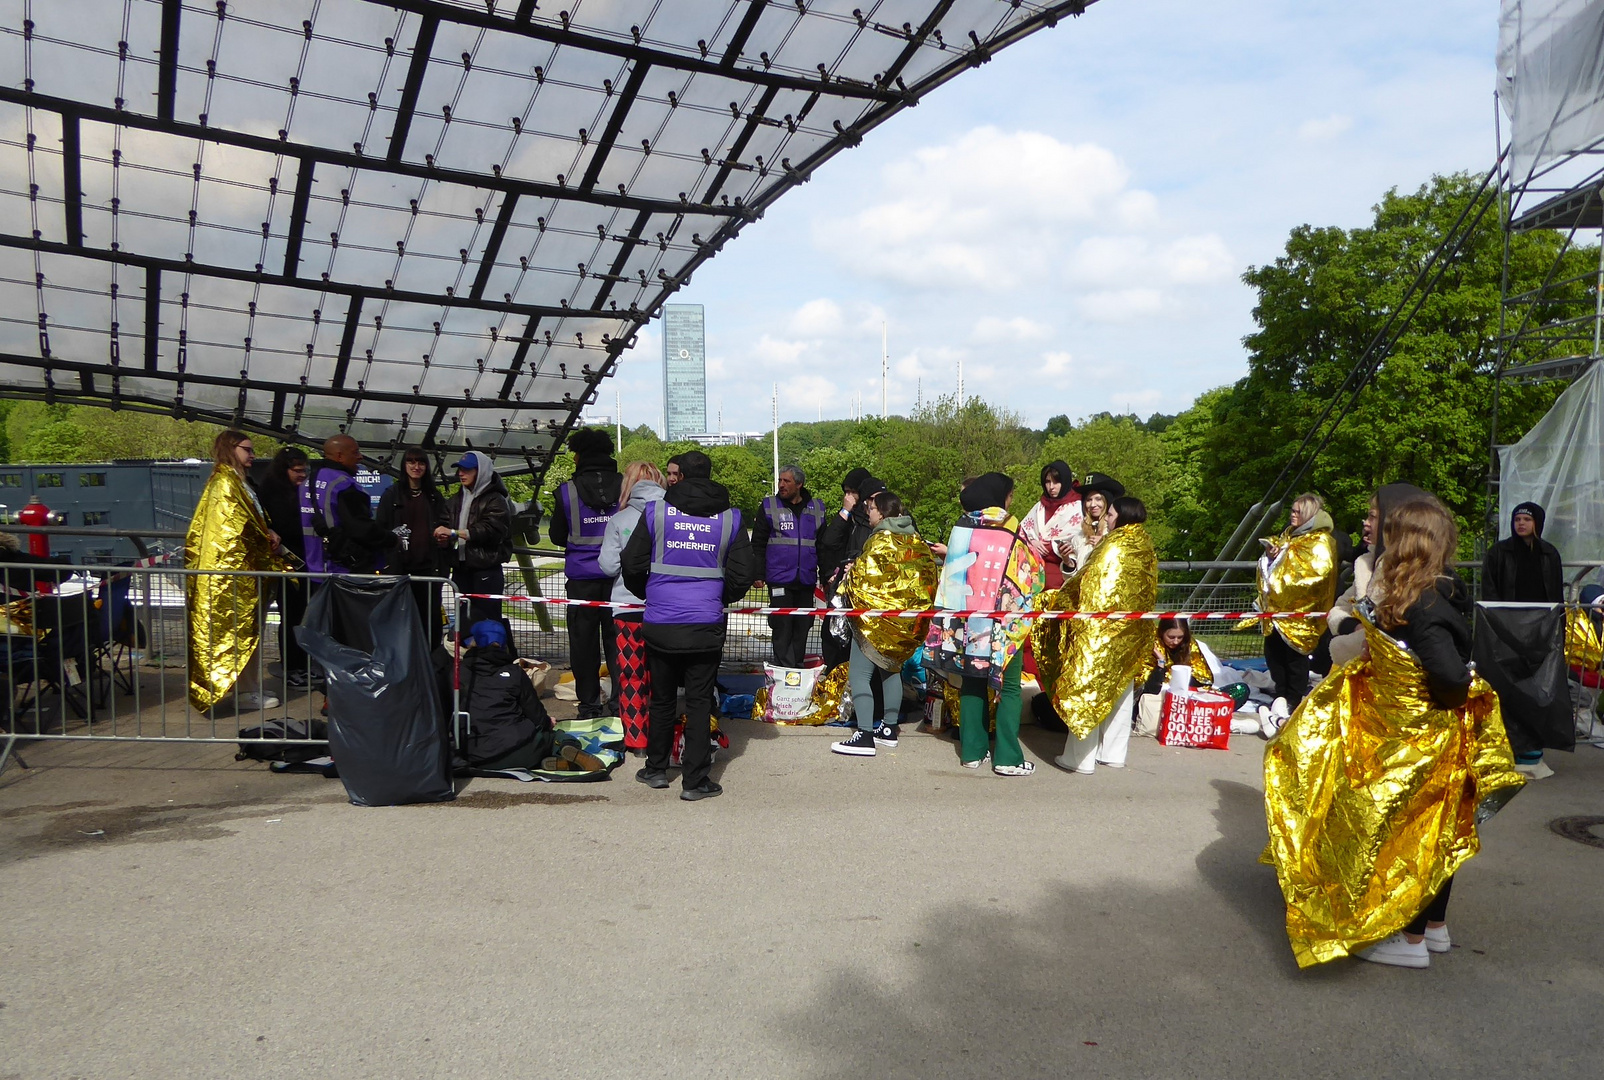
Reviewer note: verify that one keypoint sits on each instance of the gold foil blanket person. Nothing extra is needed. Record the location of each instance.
(894, 572)
(1301, 577)
(1373, 794)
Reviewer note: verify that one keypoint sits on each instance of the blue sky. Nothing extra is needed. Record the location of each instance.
(1072, 219)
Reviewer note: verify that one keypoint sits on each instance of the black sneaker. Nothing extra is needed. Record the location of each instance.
(298, 680)
(587, 712)
(886, 735)
(653, 778)
(705, 790)
(861, 744)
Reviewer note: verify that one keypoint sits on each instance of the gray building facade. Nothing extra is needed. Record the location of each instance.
(684, 371)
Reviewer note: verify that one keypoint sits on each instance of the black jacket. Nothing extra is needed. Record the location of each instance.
(489, 527)
(762, 530)
(598, 489)
(390, 515)
(359, 540)
(1502, 565)
(843, 540)
(704, 498)
(504, 709)
(1437, 631)
(282, 501)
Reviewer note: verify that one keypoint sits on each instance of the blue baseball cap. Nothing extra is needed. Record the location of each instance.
(488, 632)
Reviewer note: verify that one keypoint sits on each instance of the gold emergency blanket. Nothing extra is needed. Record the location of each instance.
(894, 571)
(228, 532)
(827, 700)
(1202, 674)
(1582, 646)
(1301, 577)
(1088, 665)
(1373, 794)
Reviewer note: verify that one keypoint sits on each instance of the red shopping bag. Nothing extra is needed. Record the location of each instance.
(1199, 718)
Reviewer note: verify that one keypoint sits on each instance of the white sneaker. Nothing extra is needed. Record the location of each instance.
(1022, 769)
(1398, 951)
(1069, 766)
(1536, 770)
(1280, 709)
(976, 764)
(1267, 724)
(1437, 939)
(254, 701)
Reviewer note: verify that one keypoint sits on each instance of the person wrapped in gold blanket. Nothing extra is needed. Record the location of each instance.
(1375, 787)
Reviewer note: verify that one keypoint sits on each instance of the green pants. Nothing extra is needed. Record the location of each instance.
(972, 718)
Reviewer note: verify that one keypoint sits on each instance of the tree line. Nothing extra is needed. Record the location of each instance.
(1425, 419)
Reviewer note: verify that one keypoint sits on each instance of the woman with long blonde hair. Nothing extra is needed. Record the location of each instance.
(643, 484)
(229, 532)
(1376, 785)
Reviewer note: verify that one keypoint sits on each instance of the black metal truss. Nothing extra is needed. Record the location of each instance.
(317, 285)
(629, 50)
(346, 159)
(880, 99)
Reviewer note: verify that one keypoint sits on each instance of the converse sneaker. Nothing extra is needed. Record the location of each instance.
(1437, 939)
(886, 735)
(1397, 951)
(861, 744)
(1024, 768)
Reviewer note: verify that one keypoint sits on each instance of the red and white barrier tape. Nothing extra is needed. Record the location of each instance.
(871, 613)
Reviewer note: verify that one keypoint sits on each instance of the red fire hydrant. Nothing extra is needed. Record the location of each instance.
(37, 514)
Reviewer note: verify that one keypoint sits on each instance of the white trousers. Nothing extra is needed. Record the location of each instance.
(1106, 744)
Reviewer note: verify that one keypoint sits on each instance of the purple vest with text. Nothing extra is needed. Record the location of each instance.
(319, 498)
(686, 585)
(792, 556)
(586, 527)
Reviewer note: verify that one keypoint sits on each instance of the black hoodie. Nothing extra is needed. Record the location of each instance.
(1516, 569)
(598, 482)
(703, 498)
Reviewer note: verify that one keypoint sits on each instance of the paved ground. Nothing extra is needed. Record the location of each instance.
(169, 913)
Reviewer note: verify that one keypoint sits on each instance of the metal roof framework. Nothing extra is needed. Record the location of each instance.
(420, 222)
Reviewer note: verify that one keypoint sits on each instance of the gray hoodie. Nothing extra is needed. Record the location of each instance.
(618, 531)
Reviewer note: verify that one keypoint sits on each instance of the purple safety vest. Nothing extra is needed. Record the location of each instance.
(319, 498)
(686, 585)
(586, 527)
(792, 555)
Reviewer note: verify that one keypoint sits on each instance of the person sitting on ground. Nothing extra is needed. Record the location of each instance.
(894, 571)
(1176, 645)
(1052, 528)
(508, 727)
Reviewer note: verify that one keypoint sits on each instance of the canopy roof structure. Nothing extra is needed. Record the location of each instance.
(421, 222)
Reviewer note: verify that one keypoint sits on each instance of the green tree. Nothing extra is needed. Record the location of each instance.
(924, 459)
(1121, 447)
(1425, 419)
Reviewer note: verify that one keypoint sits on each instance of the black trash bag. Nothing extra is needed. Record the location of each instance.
(1521, 654)
(387, 731)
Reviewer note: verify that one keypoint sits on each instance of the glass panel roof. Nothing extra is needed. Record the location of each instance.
(432, 222)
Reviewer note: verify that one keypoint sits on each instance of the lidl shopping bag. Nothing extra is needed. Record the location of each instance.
(1197, 718)
(790, 691)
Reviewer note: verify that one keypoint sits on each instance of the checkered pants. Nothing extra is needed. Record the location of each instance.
(634, 682)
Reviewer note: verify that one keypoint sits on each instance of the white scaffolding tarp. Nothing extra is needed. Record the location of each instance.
(1560, 466)
(1551, 76)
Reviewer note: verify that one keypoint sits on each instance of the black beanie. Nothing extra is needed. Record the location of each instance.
(1528, 508)
(986, 490)
(854, 478)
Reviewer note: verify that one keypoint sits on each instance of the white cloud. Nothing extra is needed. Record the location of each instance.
(777, 352)
(992, 329)
(1123, 305)
(1056, 364)
(1326, 129)
(818, 318)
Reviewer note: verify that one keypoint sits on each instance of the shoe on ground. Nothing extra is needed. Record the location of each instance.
(1024, 768)
(570, 752)
(1280, 709)
(298, 680)
(1534, 770)
(652, 778)
(587, 712)
(557, 764)
(705, 790)
(1267, 724)
(976, 764)
(860, 744)
(1111, 764)
(1069, 766)
(1437, 939)
(886, 735)
(255, 700)
(1397, 951)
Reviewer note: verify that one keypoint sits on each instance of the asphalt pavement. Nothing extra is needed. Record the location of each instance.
(171, 913)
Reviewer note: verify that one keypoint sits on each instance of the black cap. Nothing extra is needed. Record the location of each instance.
(1103, 484)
